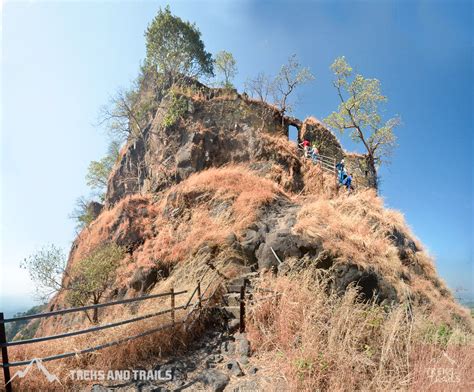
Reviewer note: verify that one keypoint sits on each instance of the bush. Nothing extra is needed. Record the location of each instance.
(93, 275)
(177, 108)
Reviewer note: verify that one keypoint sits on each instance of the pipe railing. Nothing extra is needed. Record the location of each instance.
(4, 343)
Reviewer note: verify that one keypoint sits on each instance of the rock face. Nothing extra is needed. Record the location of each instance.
(212, 128)
(213, 176)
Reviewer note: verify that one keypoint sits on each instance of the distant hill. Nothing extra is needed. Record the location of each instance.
(24, 329)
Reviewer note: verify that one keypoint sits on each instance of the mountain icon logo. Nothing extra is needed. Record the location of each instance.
(39, 364)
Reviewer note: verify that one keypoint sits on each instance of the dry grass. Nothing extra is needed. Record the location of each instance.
(206, 209)
(357, 228)
(321, 342)
(353, 228)
(318, 182)
(133, 214)
(146, 350)
(246, 191)
(281, 146)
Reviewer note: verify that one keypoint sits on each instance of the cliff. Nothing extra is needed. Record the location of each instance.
(213, 175)
(212, 179)
(213, 128)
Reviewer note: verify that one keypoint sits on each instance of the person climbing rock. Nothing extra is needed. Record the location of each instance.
(341, 173)
(340, 165)
(347, 182)
(305, 146)
(314, 153)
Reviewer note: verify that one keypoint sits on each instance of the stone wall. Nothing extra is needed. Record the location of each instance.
(363, 175)
(356, 164)
(216, 127)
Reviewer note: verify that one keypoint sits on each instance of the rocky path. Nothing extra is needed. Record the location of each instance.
(219, 361)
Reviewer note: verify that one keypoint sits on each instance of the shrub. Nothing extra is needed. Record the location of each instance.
(92, 276)
(178, 107)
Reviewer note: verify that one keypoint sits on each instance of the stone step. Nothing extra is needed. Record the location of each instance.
(232, 299)
(240, 281)
(243, 276)
(245, 270)
(233, 288)
(232, 311)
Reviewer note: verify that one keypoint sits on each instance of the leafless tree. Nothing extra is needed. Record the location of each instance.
(278, 90)
(260, 87)
(291, 75)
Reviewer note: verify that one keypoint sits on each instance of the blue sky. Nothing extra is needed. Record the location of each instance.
(62, 60)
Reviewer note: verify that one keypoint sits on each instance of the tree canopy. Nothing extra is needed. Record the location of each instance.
(126, 114)
(359, 112)
(226, 66)
(85, 282)
(291, 75)
(46, 268)
(93, 275)
(175, 47)
(98, 172)
(279, 89)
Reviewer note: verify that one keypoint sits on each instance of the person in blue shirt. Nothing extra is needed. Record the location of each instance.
(347, 182)
(341, 174)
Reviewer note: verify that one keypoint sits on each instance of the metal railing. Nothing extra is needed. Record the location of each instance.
(4, 344)
(326, 163)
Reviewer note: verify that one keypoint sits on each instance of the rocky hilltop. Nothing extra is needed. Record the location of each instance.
(213, 128)
(213, 176)
(211, 179)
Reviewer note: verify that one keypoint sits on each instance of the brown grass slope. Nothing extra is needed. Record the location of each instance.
(322, 337)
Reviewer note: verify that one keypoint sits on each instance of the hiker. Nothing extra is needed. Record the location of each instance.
(341, 173)
(305, 146)
(340, 165)
(314, 153)
(347, 181)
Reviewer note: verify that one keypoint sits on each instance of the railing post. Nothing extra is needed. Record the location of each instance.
(6, 369)
(172, 305)
(242, 308)
(199, 294)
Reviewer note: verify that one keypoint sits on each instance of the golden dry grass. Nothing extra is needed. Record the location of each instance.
(206, 209)
(145, 350)
(321, 342)
(357, 228)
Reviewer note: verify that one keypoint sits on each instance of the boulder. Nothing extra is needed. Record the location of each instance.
(234, 368)
(214, 379)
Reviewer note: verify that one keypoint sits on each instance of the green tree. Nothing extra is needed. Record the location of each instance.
(82, 213)
(84, 283)
(99, 171)
(359, 111)
(92, 276)
(226, 66)
(46, 269)
(175, 47)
